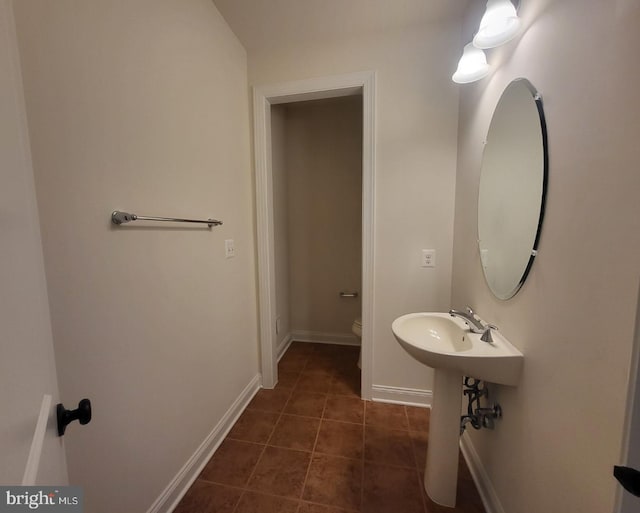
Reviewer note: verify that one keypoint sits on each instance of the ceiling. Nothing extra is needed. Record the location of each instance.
(265, 24)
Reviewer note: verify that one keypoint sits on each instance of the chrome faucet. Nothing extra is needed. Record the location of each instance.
(475, 324)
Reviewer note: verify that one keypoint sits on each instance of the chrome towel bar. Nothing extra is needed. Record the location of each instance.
(119, 218)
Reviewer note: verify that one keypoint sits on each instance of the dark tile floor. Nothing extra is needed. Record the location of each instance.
(312, 446)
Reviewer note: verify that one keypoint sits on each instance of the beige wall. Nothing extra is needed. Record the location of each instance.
(142, 106)
(574, 318)
(416, 125)
(324, 163)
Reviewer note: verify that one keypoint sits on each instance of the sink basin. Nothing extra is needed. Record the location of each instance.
(444, 342)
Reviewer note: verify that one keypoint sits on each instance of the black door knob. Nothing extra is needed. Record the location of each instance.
(629, 478)
(82, 414)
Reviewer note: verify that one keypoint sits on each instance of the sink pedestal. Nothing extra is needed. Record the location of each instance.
(441, 472)
(445, 344)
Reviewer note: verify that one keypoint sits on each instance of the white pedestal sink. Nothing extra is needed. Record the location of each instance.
(446, 344)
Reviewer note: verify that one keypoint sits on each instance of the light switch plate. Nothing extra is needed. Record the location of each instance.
(229, 249)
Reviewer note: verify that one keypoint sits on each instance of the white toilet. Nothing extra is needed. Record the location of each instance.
(356, 327)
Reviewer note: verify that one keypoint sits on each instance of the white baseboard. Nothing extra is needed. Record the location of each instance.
(283, 345)
(345, 339)
(485, 487)
(177, 488)
(397, 395)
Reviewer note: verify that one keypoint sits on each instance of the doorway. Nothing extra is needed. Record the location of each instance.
(317, 203)
(357, 84)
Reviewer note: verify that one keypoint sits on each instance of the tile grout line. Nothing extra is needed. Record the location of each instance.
(423, 493)
(267, 494)
(413, 447)
(235, 508)
(244, 489)
(248, 490)
(313, 450)
(304, 482)
(281, 413)
(246, 485)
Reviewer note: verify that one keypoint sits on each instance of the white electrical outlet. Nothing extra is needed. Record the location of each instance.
(229, 249)
(428, 258)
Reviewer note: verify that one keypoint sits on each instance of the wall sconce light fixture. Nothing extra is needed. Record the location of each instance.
(499, 24)
(472, 65)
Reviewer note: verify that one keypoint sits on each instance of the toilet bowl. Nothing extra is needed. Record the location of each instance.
(356, 328)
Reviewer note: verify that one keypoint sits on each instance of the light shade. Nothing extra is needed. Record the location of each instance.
(499, 24)
(472, 65)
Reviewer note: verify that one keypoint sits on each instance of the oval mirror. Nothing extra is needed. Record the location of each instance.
(513, 183)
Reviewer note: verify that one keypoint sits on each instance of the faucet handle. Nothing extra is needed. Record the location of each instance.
(486, 336)
(469, 310)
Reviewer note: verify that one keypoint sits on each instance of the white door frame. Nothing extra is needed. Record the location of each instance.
(312, 89)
